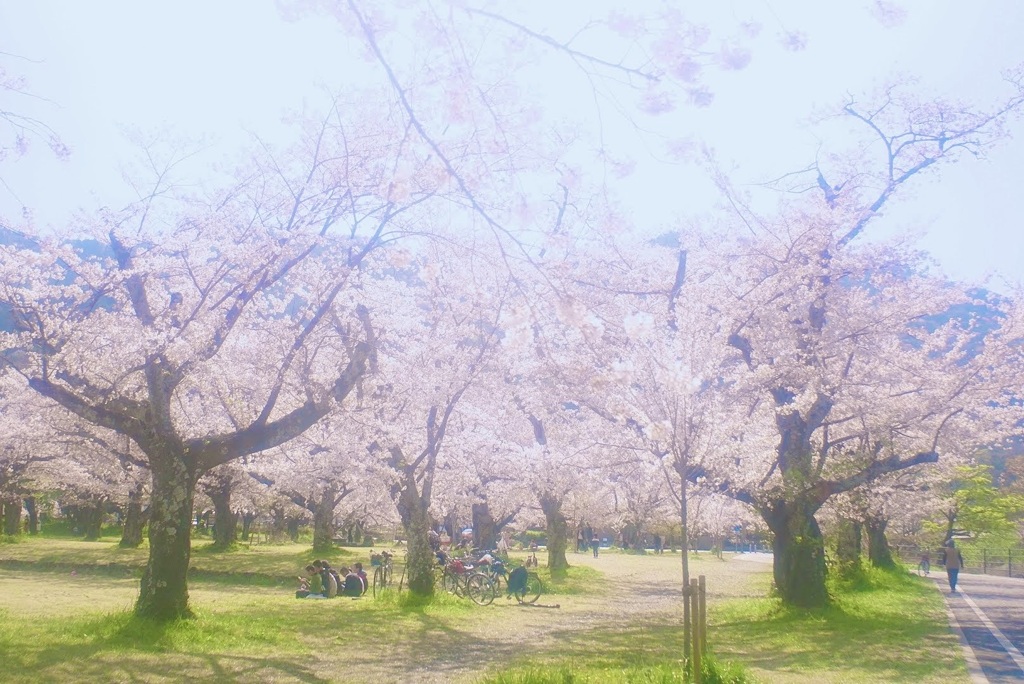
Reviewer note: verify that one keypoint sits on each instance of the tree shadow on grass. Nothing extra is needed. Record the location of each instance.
(122, 647)
(81, 664)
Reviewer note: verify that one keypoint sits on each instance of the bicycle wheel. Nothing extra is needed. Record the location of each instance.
(401, 580)
(532, 591)
(388, 571)
(378, 580)
(450, 582)
(480, 589)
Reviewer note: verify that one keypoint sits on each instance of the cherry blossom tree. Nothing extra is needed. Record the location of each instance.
(24, 425)
(801, 281)
(562, 445)
(838, 358)
(440, 316)
(225, 485)
(489, 489)
(321, 471)
(175, 294)
(640, 498)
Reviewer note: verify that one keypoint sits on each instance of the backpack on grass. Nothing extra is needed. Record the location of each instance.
(517, 580)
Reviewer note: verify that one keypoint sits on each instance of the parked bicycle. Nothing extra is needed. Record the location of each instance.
(524, 585)
(526, 589)
(383, 570)
(489, 562)
(531, 559)
(462, 579)
(924, 568)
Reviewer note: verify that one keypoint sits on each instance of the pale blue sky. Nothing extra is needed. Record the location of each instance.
(221, 68)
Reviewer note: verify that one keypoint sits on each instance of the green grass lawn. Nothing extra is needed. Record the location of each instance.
(269, 563)
(889, 627)
(65, 616)
(240, 633)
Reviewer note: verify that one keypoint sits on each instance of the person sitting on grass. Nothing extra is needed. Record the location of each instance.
(353, 585)
(311, 586)
(334, 575)
(328, 578)
(358, 567)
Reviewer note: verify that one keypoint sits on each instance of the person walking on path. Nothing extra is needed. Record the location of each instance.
(595, 544)
(954, 561)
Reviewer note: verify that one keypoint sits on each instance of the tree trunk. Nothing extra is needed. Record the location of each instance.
(134, 521)
(451, 526)
(323, 521)
(293, 527)
(950, 522)
(164, 592)
(225, 526)
(878, 545)
(12, 516)
(558, 534)
(799, 566)
(485, 532)
(848, 543)
(419, 573)
(684, 544)
(247, 519)
(93, 519)
(33, 514)
(279, 524)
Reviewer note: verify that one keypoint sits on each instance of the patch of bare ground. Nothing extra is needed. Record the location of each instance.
(636, 590)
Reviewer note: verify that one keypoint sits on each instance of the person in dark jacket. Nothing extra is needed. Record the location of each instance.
(358, 569)
(353, 585)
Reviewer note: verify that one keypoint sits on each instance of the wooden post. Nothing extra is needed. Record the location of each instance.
(687, 619)
(703, 615)
(695, 613)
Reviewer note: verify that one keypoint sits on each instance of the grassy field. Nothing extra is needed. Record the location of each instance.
(64, 615)
(888, 627)
(260, 564)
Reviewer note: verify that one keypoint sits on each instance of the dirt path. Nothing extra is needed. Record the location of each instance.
(648, 589)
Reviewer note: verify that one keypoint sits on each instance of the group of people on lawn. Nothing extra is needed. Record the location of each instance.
(323, 581)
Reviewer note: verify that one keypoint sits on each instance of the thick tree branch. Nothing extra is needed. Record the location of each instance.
(116, 415)
(219, 449)
(828, 488)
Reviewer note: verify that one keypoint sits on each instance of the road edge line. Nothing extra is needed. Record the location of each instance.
(974, 670)
(1010, 649)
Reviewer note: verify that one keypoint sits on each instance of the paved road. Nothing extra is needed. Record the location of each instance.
(990, 613)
